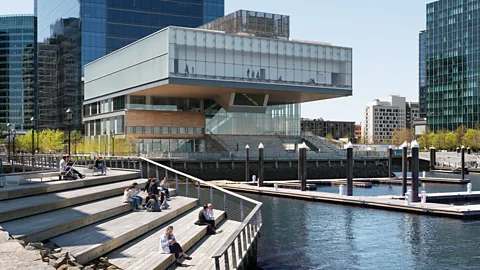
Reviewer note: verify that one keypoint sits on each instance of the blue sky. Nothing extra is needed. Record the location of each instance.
(382, 33)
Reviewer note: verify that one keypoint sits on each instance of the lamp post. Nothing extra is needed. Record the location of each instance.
(33, 135)
(69, 118)
(112, 133)
(8, 142)
(14, 132)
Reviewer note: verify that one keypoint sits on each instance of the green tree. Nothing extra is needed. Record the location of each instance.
(24, 142)
(402, 135)
(460, 132)
(329, 137)
(451, 140)
(75, 137)
(441, 142)
(51, 140)
(471, 139)
(426, 140)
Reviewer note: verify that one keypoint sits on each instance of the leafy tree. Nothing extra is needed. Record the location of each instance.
(329, 137)
(471, 139)
(402, 135)
(24, 142)
(426, 139)
(51, 140)
(75, 137)
(450, 140)
(460, 132)
(441, 137)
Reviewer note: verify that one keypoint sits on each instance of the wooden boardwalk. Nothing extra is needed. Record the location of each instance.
(381, 202)
(34, 188)
(95, 240)
(143, 253)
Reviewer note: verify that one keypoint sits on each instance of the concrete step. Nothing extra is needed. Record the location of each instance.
(47, 225)
(11, 192)
(143, 253)
(93, 241)
(28, 206)
(203, 251)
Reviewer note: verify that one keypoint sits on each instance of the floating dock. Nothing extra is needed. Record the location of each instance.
(390, 203)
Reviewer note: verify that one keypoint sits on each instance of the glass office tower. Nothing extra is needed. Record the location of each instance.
(422, 74)
(17, 38)
(76, 32)
(453, 64)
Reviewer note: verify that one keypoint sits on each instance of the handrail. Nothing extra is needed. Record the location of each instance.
(219, 140)
(246, 225)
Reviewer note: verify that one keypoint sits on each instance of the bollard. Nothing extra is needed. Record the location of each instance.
(247, 163)
(423, 174)
(424, 196)
(260, 165)
(469, 187)
(404, 167)
(408, 198)
(349, 148)
(276, 186)
(462, 166)
(390, 161)
(340, 189)
(415, 167)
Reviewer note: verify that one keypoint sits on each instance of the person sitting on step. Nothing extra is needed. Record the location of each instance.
(163, 200)
(135, 192)
(165, 185)
(169, 245)
(99, 164)
(206, 217)
(128, 197)
(69, 167)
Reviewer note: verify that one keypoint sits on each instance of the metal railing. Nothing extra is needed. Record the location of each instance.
(30, 163)
(237, 207)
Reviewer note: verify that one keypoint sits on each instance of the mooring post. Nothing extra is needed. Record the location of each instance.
(247, 161)
(260, 165)
(469, 150)
(415, 169)
(404, 167)
(432, 157)
(390, 161)
(349, 148)
(463, 162)
(302, 166)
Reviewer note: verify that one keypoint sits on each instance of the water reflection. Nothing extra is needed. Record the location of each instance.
(311, 235)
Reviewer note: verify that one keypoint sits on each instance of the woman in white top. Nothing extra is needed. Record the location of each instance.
(168, 245)
(164, 184)
(129, 196)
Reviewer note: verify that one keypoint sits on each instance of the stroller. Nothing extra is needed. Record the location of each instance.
(68, 174)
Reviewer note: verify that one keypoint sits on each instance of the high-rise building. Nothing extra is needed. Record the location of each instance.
(412, 112)
(72, 33)
(382, 118)
(452, 64)
(17, 38)
(422, 74)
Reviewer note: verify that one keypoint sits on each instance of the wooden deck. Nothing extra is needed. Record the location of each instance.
(143, 253)
(35, 188)
(95, 240)
(47, 225)
(392, 203)
(203, 251)
(27, 206)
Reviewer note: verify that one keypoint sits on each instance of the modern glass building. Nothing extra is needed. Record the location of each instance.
(72, 33)
(17, 67)
(422, 74)
(453, 64)
(174, 88)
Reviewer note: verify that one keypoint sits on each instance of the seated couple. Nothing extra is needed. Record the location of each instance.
(66, 168)
(206, 217)
(155, 201)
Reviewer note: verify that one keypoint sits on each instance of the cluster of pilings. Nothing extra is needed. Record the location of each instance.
(302, 166)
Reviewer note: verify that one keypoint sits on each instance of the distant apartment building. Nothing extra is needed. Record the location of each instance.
(412, 110)
(422, 73)
(320, 127)
(358, 131)
(382, 118)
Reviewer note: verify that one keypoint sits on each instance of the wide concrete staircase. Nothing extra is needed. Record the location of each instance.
(88, 219)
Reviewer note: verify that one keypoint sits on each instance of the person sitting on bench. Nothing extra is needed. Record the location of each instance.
(69, 167)
(99, 164)
(206, 217)
(169, 245)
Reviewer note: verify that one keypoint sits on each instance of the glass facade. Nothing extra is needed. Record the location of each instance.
(453, 64)
(422, 74)
(75, 32)
(17, 67)
(206, 54)
(252, 22)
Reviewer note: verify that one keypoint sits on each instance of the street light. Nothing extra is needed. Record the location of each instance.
(69, 118)
(112, 133)
(8, 141)
(14, 132)
(33, 135)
